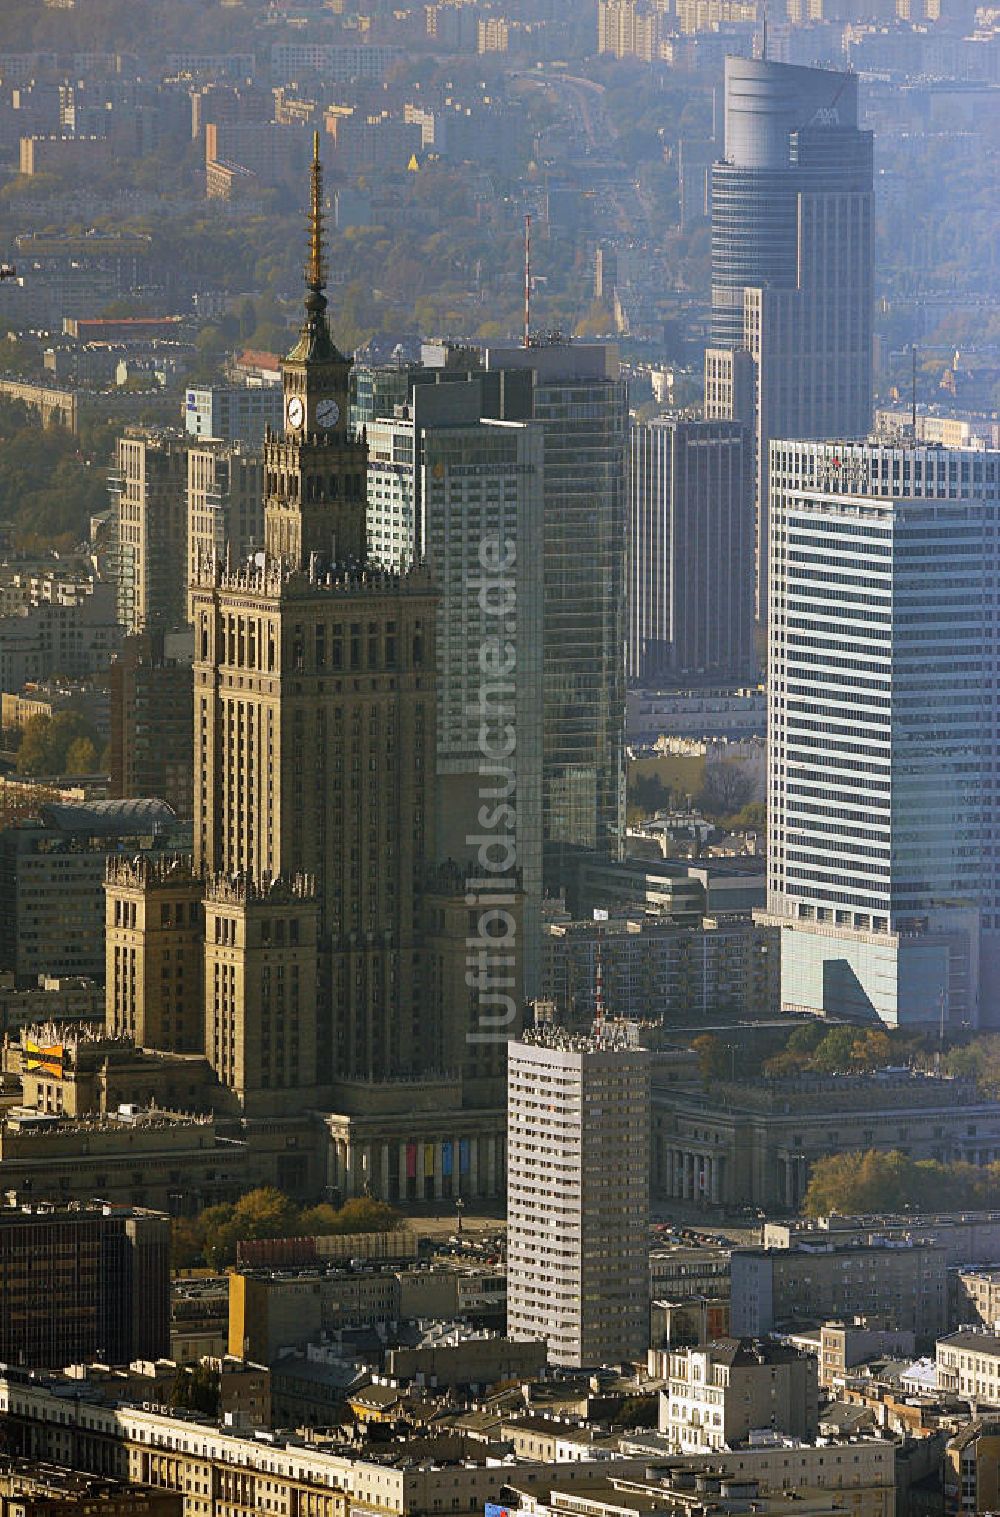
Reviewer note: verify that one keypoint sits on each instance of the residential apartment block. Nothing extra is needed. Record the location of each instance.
(661, 970)
(977, 1293)
(578, 1196)
(719, 1394)
(152, 729)
(149, 495)
(233, 413)
(972, 1468)
(52, 880)
(895, 1285)
(236, 1475)
(225, 504)
(968, 1364)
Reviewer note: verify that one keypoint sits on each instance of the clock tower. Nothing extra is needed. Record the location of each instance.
(315, 474)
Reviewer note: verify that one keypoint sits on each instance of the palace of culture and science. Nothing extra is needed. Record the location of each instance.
(314, 949)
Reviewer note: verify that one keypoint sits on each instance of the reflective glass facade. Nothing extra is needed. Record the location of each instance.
(584, 549)
(582, 406)
(792, 261)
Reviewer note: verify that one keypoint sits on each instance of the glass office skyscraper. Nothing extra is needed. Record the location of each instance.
(689, 566)
(582, 406)
(791, 263)
(883, 837)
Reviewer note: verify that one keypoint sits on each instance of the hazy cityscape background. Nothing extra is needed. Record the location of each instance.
(499, 834)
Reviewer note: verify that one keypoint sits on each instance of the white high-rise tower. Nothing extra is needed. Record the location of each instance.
(578, 1121)
(883, 834)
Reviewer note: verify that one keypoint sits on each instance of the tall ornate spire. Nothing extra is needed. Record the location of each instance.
(315, 270)
(314, 336)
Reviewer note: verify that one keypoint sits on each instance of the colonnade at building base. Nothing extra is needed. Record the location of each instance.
(425, 1156)
(687, 1175)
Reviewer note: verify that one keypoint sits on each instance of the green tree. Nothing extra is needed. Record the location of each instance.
(968, 1062)
(214, 1235)
(35, 753)
(977, 1060)
(781, 1066)
(752, 815)
(49, 740)
(872, 1050)
(266, 1213)
(248, 319)
(836, 1052)
(714, 1057)
(316, 1221)
(50, 481)
(596, 321)
(218, 1235)
(261, 1213)
(725, 790)
(363, 1214)
(855, 1182)
(832, 1182)
(938, 1187)
(636, 1411)
(806, 1037)
(647, 793)
(196, 1389)
(81, 756)
(187, 1242)
(872, 1181)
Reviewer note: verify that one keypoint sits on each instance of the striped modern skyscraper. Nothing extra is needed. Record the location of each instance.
(883, 830)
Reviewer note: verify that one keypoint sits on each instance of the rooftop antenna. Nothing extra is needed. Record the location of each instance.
(913, 389)
(527, 280)
(763, 40)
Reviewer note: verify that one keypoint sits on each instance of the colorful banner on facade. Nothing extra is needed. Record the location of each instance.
(42, 1060)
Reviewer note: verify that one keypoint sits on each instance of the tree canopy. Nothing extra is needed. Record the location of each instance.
(197, 1389)
(62, 744)
(648, 794)
(977, 1060)
(813, 1050)
(873, 1181)
(725, 790)
(51, 482)
(211, 1237)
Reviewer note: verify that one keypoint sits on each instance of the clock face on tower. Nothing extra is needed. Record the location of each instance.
(295, 411)
(328, 413)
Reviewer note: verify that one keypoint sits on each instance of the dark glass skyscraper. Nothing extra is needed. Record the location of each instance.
(690, 553)
(791, 263)
(580, 400)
